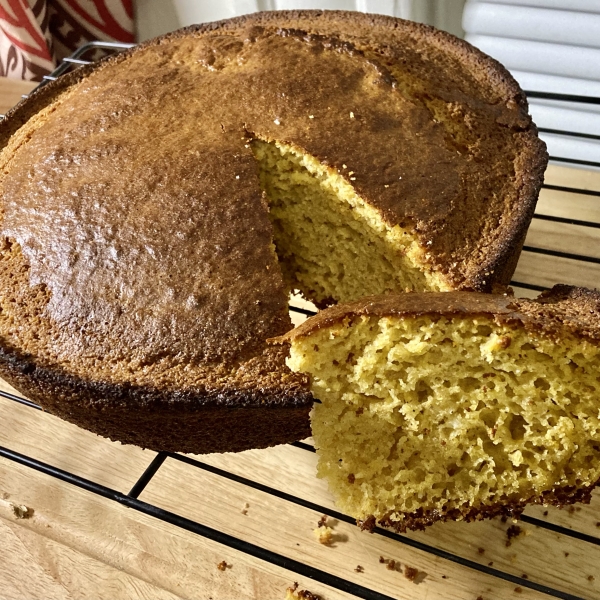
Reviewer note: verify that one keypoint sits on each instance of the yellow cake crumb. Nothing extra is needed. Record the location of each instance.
(329, 240)
(324, 535)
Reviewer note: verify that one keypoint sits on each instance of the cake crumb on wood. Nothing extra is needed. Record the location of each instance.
(293, 593)
(359, 569)
(21, 511)
(481, 550)
(222, 566)
(324, 534)
(245, 508)
(414, 575)
(391, 565)
(519, 590)
(513, 532)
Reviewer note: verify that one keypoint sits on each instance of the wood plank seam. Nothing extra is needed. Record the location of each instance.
(203, 530)
(379, 531)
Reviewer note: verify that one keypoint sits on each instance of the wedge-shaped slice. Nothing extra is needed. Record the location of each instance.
(455, 405)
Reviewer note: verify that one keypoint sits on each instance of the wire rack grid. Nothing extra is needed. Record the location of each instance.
(564, 263)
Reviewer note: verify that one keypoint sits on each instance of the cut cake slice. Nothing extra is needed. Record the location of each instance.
(457, 405)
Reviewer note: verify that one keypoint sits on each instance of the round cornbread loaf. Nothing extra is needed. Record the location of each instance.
(454, 405)
(158, 206)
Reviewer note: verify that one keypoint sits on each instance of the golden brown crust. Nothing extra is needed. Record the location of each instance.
(563, 308)
(162, 283)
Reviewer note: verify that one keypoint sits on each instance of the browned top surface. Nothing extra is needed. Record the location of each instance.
(564, 308)
(137, 206)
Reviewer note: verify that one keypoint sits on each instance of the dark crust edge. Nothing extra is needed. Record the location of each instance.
(420, 519)
(502, 255)
(183, 421)
(503, 261)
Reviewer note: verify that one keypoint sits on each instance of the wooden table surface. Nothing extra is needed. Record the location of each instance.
(257, 510)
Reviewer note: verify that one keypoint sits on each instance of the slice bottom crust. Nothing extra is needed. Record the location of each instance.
(428, 416)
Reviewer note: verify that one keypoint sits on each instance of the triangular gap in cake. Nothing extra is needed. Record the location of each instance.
(332, 245)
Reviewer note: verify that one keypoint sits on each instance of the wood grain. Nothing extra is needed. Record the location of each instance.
(152, 554)
(47, 438)
(288, 528)
(11, 91)
(537, 553)
(58, 572)
(546, 271)
(572, 177)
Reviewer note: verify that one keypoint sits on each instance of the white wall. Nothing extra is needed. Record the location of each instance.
(155, 17)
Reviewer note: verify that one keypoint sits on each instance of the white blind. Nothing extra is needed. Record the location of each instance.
(549, 46)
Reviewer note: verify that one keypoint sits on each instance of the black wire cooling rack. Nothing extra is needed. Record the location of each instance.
(90, 52)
